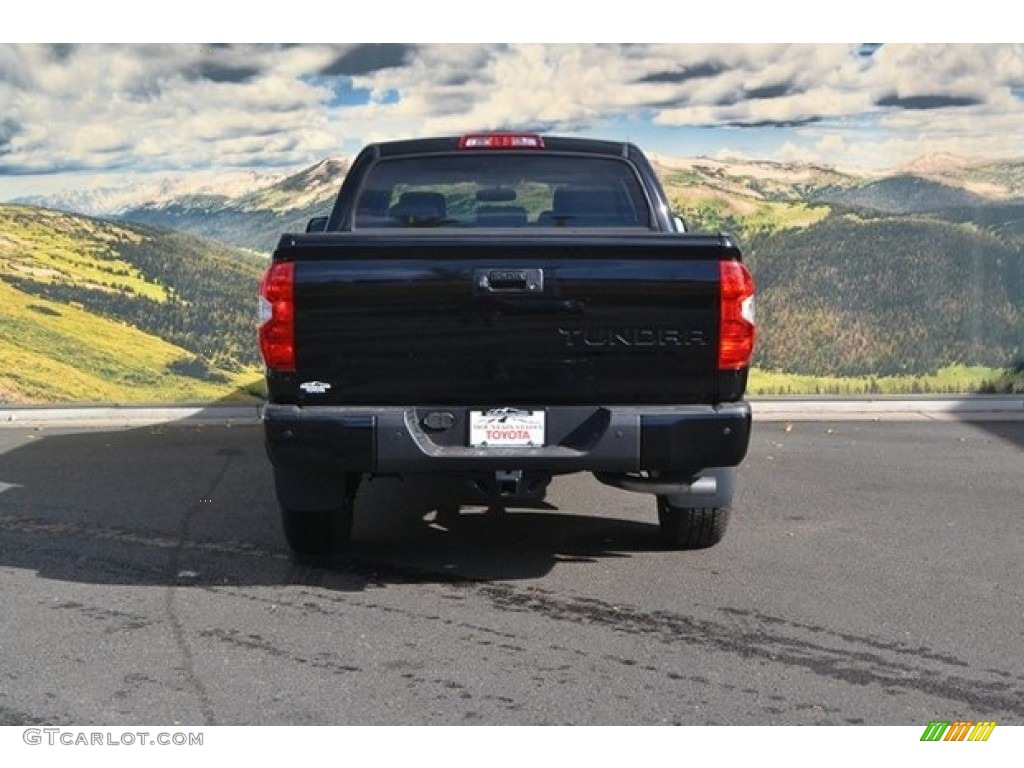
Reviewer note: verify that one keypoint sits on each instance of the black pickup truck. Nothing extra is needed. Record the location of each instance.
(505, 307)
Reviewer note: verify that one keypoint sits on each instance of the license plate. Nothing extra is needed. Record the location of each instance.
(506, 428)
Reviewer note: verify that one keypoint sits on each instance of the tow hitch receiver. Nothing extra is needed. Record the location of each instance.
(511, 484)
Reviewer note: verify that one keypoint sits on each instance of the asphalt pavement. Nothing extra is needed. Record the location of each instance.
(873, 572)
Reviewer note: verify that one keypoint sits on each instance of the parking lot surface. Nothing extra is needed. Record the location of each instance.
(873, 573)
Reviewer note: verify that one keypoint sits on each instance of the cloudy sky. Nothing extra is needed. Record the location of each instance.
(72, 116)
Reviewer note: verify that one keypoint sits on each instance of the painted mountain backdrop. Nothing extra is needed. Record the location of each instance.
(102, 311)
(873, 275)
(868, 275)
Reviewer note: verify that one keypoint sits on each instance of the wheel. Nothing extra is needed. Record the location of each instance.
(691, 527)
(316, 509)
(318, 532)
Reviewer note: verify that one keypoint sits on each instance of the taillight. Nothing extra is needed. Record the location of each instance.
(277, 317)
(501, 140)
(737, 330)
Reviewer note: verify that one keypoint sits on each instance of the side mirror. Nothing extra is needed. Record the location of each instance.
(680, 224)
(317, 224)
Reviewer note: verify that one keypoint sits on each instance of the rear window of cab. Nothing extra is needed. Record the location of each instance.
(501, 189)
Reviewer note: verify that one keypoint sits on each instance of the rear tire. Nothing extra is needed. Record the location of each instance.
(691, 527)
(318, 532)
(316, 509)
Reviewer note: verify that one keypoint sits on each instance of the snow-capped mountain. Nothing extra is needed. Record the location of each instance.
(256, 218)
(114, 200)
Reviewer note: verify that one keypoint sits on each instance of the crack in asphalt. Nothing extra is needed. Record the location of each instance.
(849, 664)
(36, 525)
(895, 647)
(170, 594)
(252, 642)
(116, 621)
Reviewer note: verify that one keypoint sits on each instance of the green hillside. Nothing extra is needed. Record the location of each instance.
(888, 295)
(885, 299)
(711, 200)
(91, 310)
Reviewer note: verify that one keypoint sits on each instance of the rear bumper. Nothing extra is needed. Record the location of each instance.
(392, 440)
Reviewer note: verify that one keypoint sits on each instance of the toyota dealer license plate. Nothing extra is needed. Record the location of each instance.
(506, 428)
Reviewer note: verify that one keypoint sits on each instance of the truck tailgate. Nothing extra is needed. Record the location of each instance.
(502, 319)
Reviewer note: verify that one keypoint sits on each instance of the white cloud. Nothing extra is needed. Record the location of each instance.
(167, 107)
